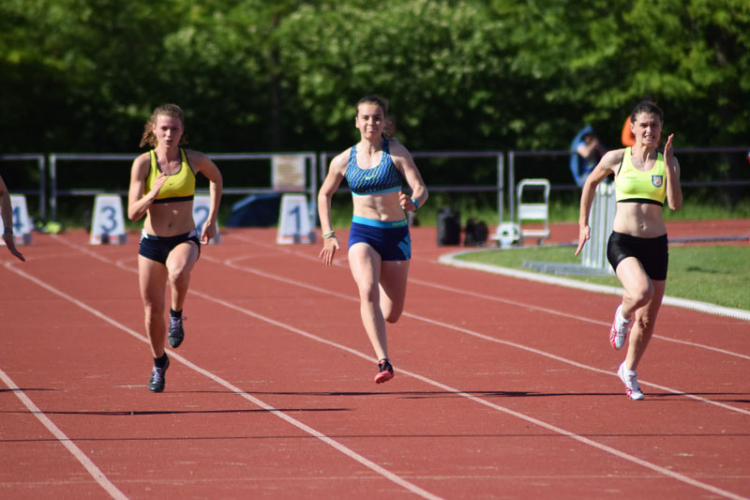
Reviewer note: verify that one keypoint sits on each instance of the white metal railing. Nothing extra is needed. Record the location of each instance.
(498, 187)
(55, 171)
(42, 191)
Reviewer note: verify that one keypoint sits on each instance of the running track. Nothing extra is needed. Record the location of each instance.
(504, 388)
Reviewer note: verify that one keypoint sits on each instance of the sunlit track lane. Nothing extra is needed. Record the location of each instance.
(439, 439)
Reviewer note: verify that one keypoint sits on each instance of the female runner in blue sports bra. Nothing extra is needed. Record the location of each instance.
(637, 248)
(162, 186)
(379, 241)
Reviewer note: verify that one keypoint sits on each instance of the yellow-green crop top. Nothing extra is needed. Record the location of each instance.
(179, 186)
(633, 185)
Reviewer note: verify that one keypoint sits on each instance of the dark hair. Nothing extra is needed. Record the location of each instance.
(383, 103)
(647, 107)
(171, 110)
(374, 99)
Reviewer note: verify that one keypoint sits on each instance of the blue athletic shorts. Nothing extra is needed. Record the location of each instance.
(158, 247)
(653, 253)
(390, 239)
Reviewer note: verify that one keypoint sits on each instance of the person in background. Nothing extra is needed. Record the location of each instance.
(6, 211)
(586, 151)
(162, 186)
(626, 137)
(638, 246)
(379, 241)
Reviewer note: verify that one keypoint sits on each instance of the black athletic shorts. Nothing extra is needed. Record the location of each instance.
(652, 253)
(158, 247)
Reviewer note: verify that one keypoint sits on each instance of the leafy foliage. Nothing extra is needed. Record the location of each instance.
(256, 75)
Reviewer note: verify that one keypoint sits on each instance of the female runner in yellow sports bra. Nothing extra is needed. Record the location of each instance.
(162, 185)
(637, 248)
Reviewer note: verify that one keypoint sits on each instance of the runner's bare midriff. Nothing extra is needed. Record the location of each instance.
(170, 219)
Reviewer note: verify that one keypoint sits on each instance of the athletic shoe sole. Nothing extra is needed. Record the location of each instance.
(383, 377)
(175, 341)
(386, 372)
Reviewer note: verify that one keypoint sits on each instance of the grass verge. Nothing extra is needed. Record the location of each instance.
(716, 274)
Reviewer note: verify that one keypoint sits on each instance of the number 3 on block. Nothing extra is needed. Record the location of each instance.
(107, 222)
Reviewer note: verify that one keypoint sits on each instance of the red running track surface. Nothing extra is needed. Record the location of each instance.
(504, 388)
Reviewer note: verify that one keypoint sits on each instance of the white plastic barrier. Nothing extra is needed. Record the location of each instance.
(601, 219)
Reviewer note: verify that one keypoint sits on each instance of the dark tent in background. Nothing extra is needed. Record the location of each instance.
(255, 211)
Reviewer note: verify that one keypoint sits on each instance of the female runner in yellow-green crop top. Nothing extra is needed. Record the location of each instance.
(162, 184)
(637, 248)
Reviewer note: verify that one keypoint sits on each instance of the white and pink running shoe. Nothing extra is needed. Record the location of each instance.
(619, 330)
(630, 379)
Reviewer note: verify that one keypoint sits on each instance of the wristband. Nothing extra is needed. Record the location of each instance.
(8, 230)
(416, 203)
(329, 234)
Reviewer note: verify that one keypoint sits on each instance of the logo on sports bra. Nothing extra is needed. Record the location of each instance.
(657, 180)
(368, 177)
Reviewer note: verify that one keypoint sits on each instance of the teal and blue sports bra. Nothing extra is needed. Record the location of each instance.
(383, 178)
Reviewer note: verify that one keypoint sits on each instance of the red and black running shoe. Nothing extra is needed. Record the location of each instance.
(385, 372)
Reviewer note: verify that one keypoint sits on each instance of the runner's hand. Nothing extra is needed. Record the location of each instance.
(158, 183)
(669, 152)
(11, 244)
(330, 245)
(406, 203)
(208, 232)
(583, 235)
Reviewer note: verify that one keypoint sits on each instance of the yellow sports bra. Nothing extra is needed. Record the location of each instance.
(179, 186)
(633, 185)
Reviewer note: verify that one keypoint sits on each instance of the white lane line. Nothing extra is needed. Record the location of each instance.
(298, 424)
(559, 313)
(584, 440)
(394, 478)
(450, 260)
(74, 450)
(512, 273)
(532, 420)
(231, 263)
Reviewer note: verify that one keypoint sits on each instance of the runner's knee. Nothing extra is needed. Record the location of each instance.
(394, 315)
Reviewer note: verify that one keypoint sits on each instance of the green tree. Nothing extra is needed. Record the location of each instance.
(440, 64)
(602, 56)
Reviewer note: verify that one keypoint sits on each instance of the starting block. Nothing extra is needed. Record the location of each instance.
(21, 220)
(201, 209)
(107, 222)
(294, 220)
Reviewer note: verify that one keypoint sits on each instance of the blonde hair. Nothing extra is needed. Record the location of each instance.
(171, 110)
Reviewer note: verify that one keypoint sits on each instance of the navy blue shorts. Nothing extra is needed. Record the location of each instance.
(390, 239)
(158, 247)
(653, 253)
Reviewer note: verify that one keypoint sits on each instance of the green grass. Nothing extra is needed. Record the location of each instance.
(714, 274)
